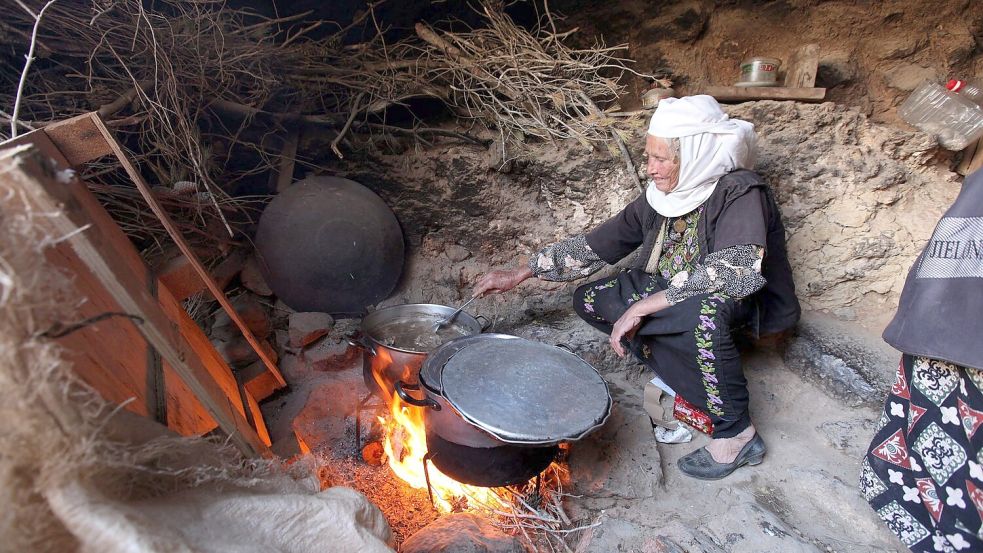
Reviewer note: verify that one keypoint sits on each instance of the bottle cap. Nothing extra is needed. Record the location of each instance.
(955, 85)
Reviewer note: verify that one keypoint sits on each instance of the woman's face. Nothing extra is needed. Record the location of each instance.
(662, 166)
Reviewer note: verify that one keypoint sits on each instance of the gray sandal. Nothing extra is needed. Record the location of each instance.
(700, 464)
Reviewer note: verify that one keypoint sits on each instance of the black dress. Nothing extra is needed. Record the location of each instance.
(690, 345)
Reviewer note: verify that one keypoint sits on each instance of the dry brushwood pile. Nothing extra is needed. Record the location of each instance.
(204, 95)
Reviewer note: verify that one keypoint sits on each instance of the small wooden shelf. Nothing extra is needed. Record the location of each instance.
(745, 94)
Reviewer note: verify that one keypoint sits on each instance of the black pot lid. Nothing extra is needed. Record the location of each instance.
(526, 392)
(430, 372)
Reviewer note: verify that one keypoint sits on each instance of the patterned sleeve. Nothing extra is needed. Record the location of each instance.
(567, 260)
(735, 271)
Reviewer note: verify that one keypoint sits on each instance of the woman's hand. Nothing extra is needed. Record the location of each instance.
(624, 327)
(631, 320)
(501, 280)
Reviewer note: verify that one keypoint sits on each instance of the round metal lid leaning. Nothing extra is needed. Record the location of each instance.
(526, 392)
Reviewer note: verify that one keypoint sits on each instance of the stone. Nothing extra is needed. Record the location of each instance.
(620, 460)
(307, 327)
(289, 447)
(324, 422)
(280, 314)
(899, 45)
(281, 340)
(457, 253)
(251, 311)
(908, 76)
(330, 354)
(293, 369)
(462, 533)
(252, 279)
(236, 351)
(847, 364)
(680, 21)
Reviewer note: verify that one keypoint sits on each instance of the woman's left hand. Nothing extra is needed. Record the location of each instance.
(626, 326)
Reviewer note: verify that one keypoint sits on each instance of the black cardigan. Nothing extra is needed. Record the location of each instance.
(741, 210)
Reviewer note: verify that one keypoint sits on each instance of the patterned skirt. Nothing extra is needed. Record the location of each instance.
(689, 345)
(923, 473)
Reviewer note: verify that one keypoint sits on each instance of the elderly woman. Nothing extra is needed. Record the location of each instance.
(712, 259)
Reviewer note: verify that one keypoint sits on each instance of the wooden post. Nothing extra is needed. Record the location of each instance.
(802, 66)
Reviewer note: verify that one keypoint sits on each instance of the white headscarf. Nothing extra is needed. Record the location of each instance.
(710, 146)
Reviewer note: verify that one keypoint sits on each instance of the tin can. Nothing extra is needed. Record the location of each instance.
(760, 70)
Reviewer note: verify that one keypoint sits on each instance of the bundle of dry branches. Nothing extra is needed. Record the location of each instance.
(164, 79)
(518, 82)
(200, 93)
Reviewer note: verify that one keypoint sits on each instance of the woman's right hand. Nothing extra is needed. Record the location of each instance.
(500, 280)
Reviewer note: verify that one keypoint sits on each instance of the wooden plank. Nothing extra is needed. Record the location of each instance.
(972, 158)
(180, 277)
(802, 67)
(78, 139)
(288, 158)
(746, 94)
(175, 235)
(257, 418)
(210, 359)
(259, 381)
(112, 355)
(75, 216)
(283, 175)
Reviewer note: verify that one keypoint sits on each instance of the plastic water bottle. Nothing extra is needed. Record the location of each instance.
(954, 118)
(971, 89)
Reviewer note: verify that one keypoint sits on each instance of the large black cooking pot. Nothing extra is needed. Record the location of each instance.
(510, 404)
(396, 340)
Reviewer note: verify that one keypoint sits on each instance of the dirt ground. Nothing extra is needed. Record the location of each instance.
(465, 211)
(802, 498)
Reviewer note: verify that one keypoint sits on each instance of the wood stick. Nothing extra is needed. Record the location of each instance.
(629, 164)
(27, 64)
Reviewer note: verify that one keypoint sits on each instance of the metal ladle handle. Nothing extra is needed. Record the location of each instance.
(455, 314)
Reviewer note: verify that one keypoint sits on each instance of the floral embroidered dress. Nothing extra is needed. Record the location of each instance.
(689, 344)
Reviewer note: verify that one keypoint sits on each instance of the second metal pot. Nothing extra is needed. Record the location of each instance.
(383, 363)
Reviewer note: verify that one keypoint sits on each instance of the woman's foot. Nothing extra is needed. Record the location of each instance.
(725, 450)
(702, 464)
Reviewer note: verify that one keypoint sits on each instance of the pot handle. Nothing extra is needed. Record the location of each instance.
(484, 325)
(425, 402)
(566, 347)
(357, 340)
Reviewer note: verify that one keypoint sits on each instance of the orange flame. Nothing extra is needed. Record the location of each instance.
(405, 444)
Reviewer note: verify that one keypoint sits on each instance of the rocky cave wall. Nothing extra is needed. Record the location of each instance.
(872, 53)
(858, 199)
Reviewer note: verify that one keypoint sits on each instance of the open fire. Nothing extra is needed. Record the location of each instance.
(533, 512)
(405, 444)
